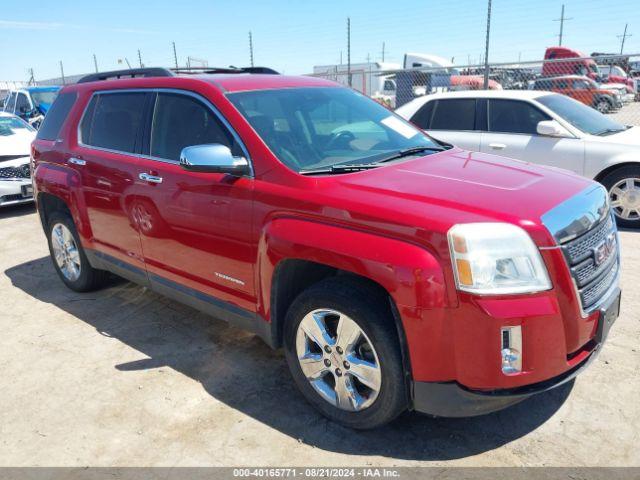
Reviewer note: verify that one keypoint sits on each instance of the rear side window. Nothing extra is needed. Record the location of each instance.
(513, 116)
(422, 118)
(112, 121)
(182, 121)
(57, 114)
(458, 114)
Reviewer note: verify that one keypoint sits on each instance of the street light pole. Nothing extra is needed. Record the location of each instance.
(486, 48)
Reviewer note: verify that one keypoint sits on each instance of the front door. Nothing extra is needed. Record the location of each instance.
(195, 228)
(512, 132)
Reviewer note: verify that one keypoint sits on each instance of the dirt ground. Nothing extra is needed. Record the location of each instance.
(125, 377)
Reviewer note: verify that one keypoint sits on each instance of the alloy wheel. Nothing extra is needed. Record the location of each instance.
(625, 199)
(65, 252)
(338, 359)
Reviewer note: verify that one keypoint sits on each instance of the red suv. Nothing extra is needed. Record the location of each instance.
(397, 272)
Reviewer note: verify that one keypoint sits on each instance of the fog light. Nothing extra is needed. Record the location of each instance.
(511, 350)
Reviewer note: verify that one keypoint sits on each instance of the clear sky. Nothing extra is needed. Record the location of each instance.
(294, 35)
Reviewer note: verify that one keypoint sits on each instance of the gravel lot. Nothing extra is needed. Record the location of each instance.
(125, 377)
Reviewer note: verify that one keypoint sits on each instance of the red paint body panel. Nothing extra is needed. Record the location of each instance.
(388, 224)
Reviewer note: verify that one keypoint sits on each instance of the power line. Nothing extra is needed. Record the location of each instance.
(562, 19)
(624, 36)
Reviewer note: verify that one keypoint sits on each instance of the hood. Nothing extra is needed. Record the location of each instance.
(18, 143)
(631, 136)
(457, 186)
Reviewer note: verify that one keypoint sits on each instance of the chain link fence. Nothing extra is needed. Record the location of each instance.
(607, 83)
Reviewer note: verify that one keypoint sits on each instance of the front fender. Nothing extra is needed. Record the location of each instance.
(411, 274)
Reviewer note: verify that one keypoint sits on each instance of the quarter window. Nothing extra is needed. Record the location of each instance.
(181, 121)
(458, 114)
(112, 121)
(512, 116)
(57, 114)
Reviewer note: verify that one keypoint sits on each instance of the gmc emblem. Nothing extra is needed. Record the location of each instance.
(604, 249)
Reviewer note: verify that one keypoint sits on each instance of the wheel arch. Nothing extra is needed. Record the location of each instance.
(613, 167)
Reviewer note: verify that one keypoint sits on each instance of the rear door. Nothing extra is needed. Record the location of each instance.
(450, 120)
(512, 132)
(106, 159)
(195, 227)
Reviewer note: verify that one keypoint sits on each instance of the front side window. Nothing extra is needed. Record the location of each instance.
(422, 118)
(181, 121)
(458, 114)
(582, 117)
(112, 120)
(318, 127)
(513, 116)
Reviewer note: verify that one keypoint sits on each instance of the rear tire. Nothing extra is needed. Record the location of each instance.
(68, 257)
(603, 106)
(363, 385)
(623, 185)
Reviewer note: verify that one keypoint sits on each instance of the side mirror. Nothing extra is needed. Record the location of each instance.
(213, 158)
(551, 128)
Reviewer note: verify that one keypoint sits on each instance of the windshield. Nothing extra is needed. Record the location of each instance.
(310, 128)
(581, 116)
(43, 97)
(11, 125)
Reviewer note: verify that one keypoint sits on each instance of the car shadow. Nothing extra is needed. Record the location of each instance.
(17, 210)
(238, 369)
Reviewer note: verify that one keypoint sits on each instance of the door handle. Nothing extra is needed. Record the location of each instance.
(497, 146)
(150, 178)
(77, 161)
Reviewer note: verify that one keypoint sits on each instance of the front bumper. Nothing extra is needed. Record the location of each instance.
(15, 191)
(451, 399)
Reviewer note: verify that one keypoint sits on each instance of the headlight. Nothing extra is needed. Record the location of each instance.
(496, 258)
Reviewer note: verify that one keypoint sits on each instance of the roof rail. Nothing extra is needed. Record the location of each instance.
(129, 73)
(230, 69)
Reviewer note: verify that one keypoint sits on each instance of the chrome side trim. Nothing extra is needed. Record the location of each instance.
(577, 214)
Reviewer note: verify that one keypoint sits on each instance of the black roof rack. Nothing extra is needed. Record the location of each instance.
(230, 69)
(166, 72)
(129, 73)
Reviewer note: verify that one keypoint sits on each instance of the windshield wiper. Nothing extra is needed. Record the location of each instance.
(410, 151)
(355, 167)
(610, 131)
(341, 168)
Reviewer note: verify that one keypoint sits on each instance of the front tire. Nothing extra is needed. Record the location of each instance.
(343, 351)
(603, 106)
(68, 257)
(623, 185)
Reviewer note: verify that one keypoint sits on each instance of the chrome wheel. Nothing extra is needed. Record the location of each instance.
(625, 199)
(65, 252)
(602, 106)
(338, 359)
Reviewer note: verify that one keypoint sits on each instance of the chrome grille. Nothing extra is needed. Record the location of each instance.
(592, 280)
(15, 172)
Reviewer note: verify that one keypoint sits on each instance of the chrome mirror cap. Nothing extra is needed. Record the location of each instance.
(213, 158)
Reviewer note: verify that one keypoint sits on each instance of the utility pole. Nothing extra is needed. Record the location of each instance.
(562, 19)
(128, 64)
(383, 51)
(64, 82)
(95, 62)
(340, 57)
(140, 59)
(175, 55)
(349, 51)
(486, 48)
(32, 80)
(251, 48)
(624, 36)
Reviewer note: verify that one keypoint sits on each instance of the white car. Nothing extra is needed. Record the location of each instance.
(16, 136)
(539, 127)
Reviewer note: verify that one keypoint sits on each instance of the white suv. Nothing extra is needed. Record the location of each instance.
(539, 127)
